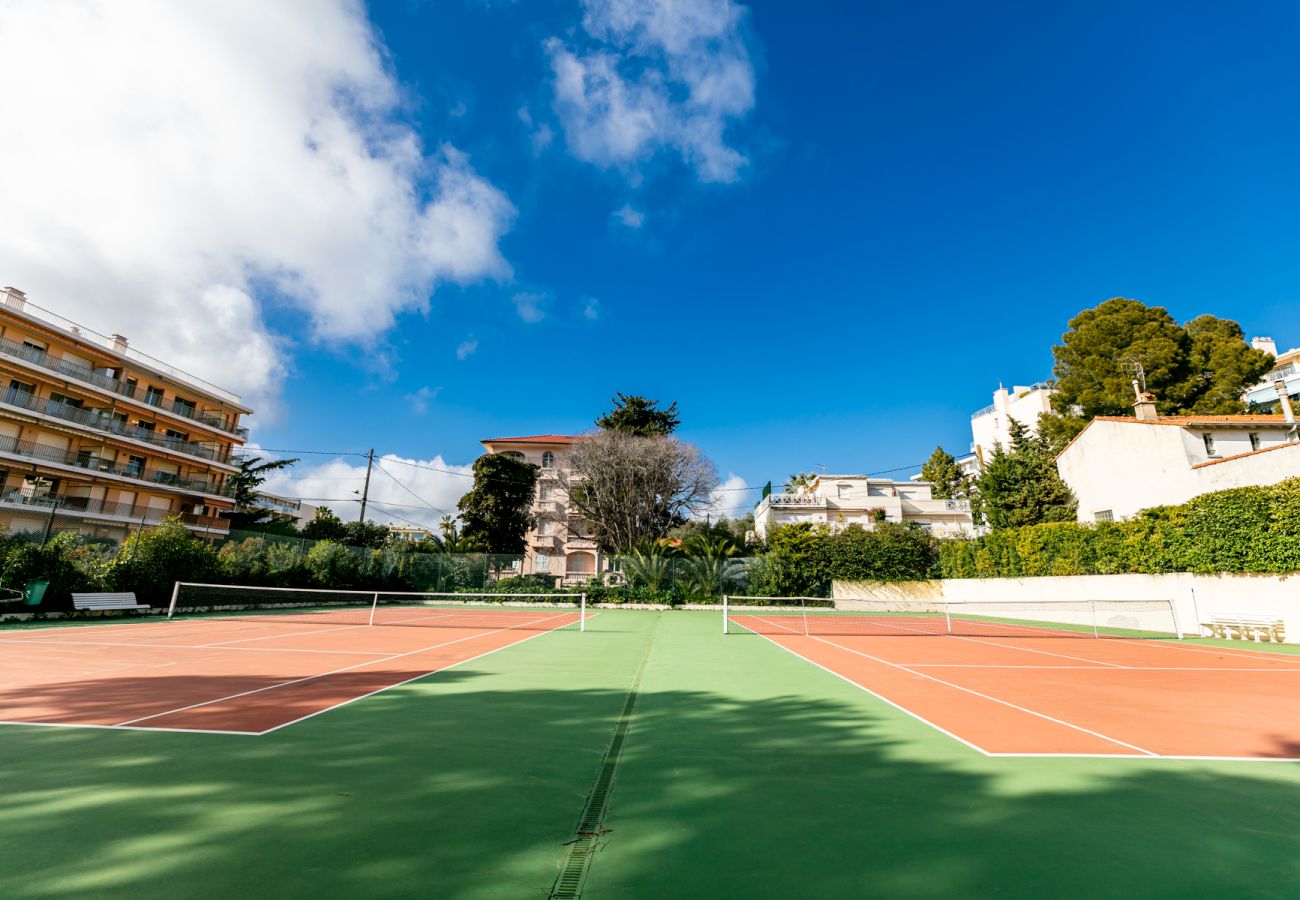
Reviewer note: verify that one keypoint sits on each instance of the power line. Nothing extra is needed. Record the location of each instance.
(411, 492)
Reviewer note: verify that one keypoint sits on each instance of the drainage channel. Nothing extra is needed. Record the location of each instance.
(591, 826)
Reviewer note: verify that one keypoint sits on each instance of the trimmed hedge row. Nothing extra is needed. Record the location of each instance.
(1251, 529)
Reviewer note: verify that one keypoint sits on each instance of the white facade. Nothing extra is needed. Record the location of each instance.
(990, 427)
(842, 500)
(1286, 369)
(560, 543)
(1118, 466)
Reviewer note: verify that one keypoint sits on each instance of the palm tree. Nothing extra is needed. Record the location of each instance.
(800, 481)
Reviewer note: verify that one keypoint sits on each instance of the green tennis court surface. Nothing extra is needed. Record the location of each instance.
(745, 772)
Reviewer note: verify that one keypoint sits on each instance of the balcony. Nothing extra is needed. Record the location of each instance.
(775, 500)
(16, 301)
(543, 541)
(102, 420)
(84, 506)
(86, 460)
(210, 418)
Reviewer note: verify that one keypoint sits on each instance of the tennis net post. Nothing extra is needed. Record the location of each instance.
(582, 612)
(171, 607)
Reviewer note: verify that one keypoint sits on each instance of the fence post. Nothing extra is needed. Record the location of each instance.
(725, 602)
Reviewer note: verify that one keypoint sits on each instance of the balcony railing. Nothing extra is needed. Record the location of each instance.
(211, 418)
(85, 460)
(136, 512)
(81, 333)
(102, 420)
(796, 500)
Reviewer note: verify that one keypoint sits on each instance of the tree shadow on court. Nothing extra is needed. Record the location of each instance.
(460, 787)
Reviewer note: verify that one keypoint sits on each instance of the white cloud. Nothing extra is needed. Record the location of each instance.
(655, 74)
(629, 216)
(171, 164)
(591, 309)
(433, 489)
(530, 307)
(540, 134)
(730, 500)
(420, 399)
(466, 348)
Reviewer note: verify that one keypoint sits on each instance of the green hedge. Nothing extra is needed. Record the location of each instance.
(1252, 529)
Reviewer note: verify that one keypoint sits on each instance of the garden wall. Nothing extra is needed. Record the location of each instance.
(1196, 597)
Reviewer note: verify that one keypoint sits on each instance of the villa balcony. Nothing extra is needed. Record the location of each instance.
(799, 500)
(543, 541)
(210, 418)
(102, 420)
(96, 464)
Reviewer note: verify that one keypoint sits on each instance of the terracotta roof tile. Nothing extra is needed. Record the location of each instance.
(535, 439)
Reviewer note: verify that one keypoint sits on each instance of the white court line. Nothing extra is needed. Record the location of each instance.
(406, 681)
(963, 637)
(903, 709)
(368, 662)
(975, 693)
(1103, 669)
(327, 629)
(1229, 651)
(131, 728)
(192, 647)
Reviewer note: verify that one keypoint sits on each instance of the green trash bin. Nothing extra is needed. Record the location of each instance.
(34, 592)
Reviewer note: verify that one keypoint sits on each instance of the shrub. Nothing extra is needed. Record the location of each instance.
(151, 562)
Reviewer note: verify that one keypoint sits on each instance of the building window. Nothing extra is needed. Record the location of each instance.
(545, 491)
(514, 454)
(548, 460)
(1209, 444)
(543, 528)
(1254, 440)
(153, 396)
(1104, 515)
(177, 435)
(542, 563)
(843, 491)
(20, 390)
(134, 465)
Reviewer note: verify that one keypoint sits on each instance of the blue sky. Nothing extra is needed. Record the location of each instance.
(835, 267)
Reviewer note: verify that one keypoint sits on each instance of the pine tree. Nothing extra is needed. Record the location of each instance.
(946, 477)
(1022, 486)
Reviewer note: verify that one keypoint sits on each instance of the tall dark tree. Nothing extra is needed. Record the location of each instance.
(945, 476)
(640, 416)
(243, 486)
(495, 512)
(1203, 367)
(1022, 486)
(326, 526)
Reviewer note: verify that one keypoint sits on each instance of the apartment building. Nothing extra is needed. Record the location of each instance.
(1118, 466)
(95, 428)
(411, 534)
(990, 427)
(561, 541)
(285, 509)
(842, 500)
(1286, 369)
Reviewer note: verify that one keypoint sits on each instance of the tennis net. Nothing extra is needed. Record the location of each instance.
(270, 605)
(1012, 618)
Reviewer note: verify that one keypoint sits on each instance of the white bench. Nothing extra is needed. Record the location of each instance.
(1244, 628)
(105, 601)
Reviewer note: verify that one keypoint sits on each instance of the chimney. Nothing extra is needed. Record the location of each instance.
(14, 297)
(1145, 406)
(1285, 401)
(119, 343)
(1266, 344)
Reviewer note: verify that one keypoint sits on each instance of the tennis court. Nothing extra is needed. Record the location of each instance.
(1010, 687)
(742, 769)
(246, 674)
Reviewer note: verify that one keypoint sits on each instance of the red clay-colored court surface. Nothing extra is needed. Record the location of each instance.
(246, 675)
(1063, 694)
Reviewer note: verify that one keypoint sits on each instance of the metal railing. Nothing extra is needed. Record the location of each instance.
(86, 460)
(795, 500)
(42, 358)
(81, 333)
(135, 512)
(103, 420)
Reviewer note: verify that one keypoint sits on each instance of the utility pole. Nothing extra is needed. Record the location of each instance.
(365, 491)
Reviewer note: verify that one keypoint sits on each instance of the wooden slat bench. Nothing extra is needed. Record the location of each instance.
(105, 601)
(1244, 628)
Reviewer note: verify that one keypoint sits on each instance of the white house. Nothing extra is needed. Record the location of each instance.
(843, 500)
(1286, 369)
(991, 426)
(1118, 466)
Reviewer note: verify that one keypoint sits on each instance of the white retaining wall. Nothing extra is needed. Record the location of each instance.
(1196, 597)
